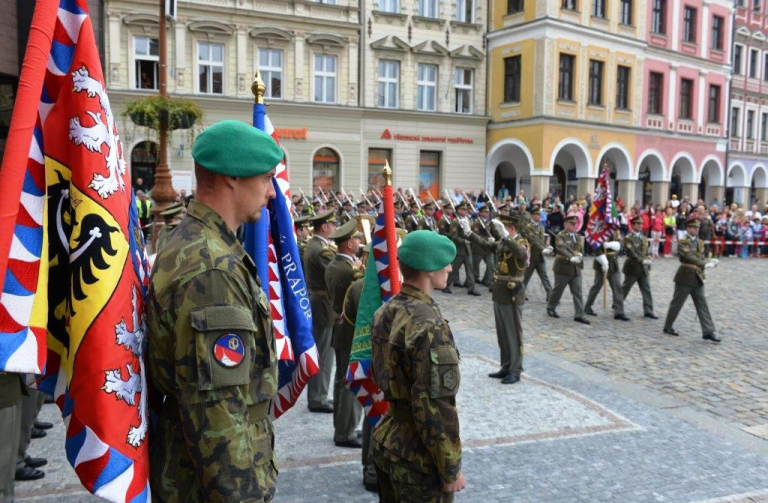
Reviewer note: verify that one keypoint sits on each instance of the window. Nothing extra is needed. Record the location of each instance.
(377, 159)
(512, 79)
(325, 169)
(689, 25)
(570, 4)
(658, 18)
(739, 3)
(717, 33)
(271, 69)
(325, 78)
(764, 127)
(598, 8)
(750, 124)
(329, 2)
(146, 57)
(735, 122)
(514, 6)
(426, 92)
(765, 67)
(622, 87)
(686, 98)
(756, 5)
(465, 11)
(565, 80)
(655, 93)
(753, 63)
(389, 83)
(210, 68)
(595, 82)
(713, 112)
(429, 174)
(389, 5)
(626, 12)
(463, 89)
(428, 8)
(737, 51)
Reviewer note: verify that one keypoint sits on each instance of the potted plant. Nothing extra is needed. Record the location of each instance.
(163, 112)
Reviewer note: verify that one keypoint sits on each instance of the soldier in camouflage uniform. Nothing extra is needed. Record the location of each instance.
(339, 275)
(569, 263)
(606, 264)
(689, 280)
(317, 255)
(539, 250)
(417, 448)
(512, 258)
(211, 356)
(637, 267)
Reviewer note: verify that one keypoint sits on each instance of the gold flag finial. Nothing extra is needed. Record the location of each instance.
(258, 89)
(387, 172)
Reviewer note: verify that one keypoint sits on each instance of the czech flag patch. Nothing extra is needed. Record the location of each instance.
(229, 350)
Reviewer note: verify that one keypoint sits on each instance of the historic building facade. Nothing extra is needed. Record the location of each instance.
(747, 179)
(576, 84)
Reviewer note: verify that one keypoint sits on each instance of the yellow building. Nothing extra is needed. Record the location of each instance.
(565, 95)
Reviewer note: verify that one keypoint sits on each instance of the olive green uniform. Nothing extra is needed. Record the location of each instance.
(417, 447)
(689, 280)
(538, 262)
(463, 254)
(568, 274)
(613, 276)
(214, 441)
(636, 246)
(317, 255)
(428, 223)
(31, 403)
(339, 275)
(10, 425)
(508, 288)
(481, 253)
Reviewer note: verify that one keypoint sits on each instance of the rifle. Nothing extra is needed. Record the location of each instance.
(341, 206)
(322, 197)
(367, 201)
(418, 203)
(474, 212)
(405, 202)
(310, 208)
(448, 220)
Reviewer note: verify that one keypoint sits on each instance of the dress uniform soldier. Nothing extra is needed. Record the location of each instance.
(10, 425)
(689, 280)
(637, 267)
(480, 253)
(417, 448)
(569, 263)
(339, 275)
(413, 220)
(706, 230)
(444, 226)
(347, 212)
(606, 264)
(303, 226)
(512, 257)
(538, 252)
(317, 255)
(172, 217)
(212, 357)
(504, 209)
(428, 221)
(462, 236)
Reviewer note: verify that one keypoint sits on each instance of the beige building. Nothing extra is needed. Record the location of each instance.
(347, 89)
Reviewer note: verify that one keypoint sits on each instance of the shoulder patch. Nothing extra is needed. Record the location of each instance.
(229, 351)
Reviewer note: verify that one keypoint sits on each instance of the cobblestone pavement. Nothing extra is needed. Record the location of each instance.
(614, 412)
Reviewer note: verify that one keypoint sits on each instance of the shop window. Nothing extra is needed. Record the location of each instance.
(429, 174)
(146, 60)
(325, 169)
(271, 69)
(210, 68)
(377, 159)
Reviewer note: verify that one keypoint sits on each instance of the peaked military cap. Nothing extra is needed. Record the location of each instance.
(485, 207)
(429, 205)
(464, 205)
(324, 217)
(303, 221)
(637, 219)
(347, 202)
(345, 232)
(172, 210)
(514, 218)
(234, 148)
(574, 217)
(426, 251)
(536, 210)
(693, 222)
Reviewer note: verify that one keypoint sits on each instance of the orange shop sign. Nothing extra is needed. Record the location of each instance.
(285, 133)
(387, 135)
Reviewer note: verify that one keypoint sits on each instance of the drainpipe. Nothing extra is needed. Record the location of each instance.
(728, 109)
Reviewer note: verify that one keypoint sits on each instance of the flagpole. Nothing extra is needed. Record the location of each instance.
(256, 233)
(389, 216)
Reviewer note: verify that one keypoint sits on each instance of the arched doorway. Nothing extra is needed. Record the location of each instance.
(711, 177)
(616, 158)
(683, 173)
(651, 173)
(509, 164)
(325, 170)
(144, 159)
(574, 160)
(506, 176)
(558, 182)
(736, 184)
(760, 186)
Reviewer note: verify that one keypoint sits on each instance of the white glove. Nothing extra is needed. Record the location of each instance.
(612, 245)
(714, 261)
(547, 251)
(500, 229)
(647, 262)
(464, 223)
(576, 259)
(491, 240)
(710, 265)
(603, 261)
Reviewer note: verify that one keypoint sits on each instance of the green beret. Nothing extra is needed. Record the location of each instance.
(426, 251)
(234, 148)
(327, 216)
(345, 232)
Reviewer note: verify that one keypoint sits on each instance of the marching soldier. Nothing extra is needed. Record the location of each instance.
(339, 275)
(346, 213)
(211, 352)
(538, 252)
(637, 267)
(689, 280)
(481, 253)
(505, 209)
(303, 226)
(428, 221)
(413, 220)
(417, 448)
(462, 236)
(607, 264)
(444, 227)
(317, 255)
(569, 263)
(513, 254)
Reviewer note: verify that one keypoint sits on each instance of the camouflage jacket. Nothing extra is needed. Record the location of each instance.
(691, 253)
(212, 359)
(416, 365)
(637, 251)
(512, 258)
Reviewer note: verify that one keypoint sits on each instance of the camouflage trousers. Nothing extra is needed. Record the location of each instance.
(401, 485)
